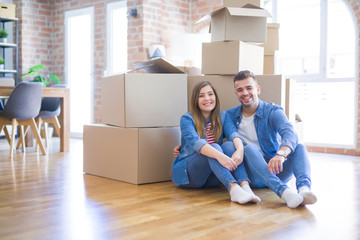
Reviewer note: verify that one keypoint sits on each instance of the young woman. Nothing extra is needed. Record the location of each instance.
(204, 161)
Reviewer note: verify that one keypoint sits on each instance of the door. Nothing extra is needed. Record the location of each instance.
(78, 67)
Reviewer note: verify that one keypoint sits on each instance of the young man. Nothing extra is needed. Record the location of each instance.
(272, 152)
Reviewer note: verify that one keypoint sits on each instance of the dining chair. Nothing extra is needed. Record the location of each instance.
(49, 112)
(20, 110)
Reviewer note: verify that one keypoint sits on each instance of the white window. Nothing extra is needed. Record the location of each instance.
(317, 49)
(117, 27)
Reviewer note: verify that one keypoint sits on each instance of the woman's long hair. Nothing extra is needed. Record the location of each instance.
(216, 126)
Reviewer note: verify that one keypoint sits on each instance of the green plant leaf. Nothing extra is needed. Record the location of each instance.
(55, 79)
(39, 77)
(36, 68)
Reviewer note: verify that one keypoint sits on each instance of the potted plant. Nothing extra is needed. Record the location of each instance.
(2, 62)
(46, 80)
(3, 36)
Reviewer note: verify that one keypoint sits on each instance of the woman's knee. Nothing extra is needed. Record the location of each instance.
(228, 148)
(197, 161)
(216, 146)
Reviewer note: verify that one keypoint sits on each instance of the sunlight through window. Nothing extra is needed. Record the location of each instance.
(317, 49)
(117, 37)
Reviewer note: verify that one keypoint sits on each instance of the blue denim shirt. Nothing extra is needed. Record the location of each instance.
(191, 143)
(272, 127)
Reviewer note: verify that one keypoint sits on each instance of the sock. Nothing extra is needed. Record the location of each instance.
(247, 188)
(309, 197)
(291, 198)
(237, 194)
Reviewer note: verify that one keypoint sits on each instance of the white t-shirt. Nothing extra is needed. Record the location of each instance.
(247, 130)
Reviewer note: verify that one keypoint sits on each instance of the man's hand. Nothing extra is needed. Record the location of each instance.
(276, 164)
(176, 151)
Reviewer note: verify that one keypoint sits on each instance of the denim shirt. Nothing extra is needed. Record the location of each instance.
(191, 143)
(272, 127)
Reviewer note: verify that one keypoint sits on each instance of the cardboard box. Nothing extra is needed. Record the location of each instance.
(133, 155)
(230, 57)
(272, 37)
(145, 100)
(7, 10)
(247, 24)
(279, 90)
(241, 3)
(269, 62)
(273, 89)
(224, 86)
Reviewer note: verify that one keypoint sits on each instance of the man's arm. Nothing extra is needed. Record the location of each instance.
(280, 123)
(289, 140)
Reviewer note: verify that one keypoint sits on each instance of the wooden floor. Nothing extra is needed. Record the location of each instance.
(49, 197)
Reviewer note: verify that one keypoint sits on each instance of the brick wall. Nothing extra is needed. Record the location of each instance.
(200, 8)
(41, 35)
(158, 22)
(35, 34)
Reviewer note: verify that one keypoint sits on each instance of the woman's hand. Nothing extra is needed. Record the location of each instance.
(176, 151)
(227, 162)
(224, 160)
(238, 157)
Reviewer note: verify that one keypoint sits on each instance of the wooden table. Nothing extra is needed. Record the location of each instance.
(64, 118)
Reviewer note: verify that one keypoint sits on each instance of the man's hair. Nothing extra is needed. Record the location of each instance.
(242, 75)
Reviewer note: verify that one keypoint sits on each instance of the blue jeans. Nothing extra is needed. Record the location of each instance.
(297, 164)
(204, 171)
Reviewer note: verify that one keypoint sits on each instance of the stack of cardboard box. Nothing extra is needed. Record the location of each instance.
(141, 114)
(237, 30)
(271, 46)
(241, 39)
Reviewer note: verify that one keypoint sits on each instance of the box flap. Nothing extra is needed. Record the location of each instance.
(207, 17)
(249, 5)
(157, 65)
(248, 10)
